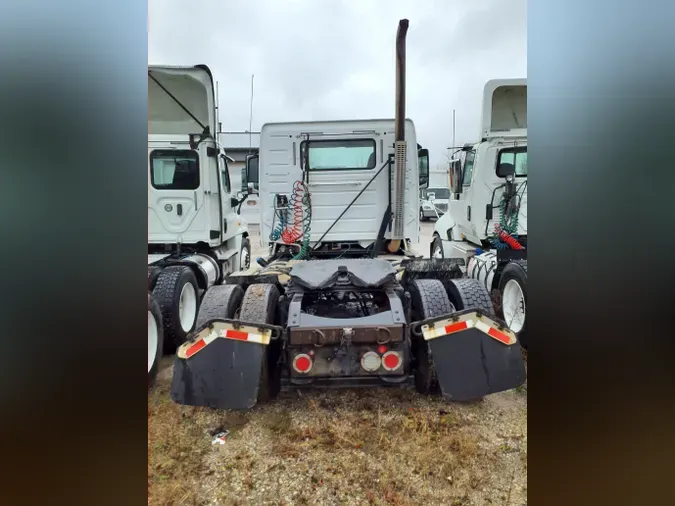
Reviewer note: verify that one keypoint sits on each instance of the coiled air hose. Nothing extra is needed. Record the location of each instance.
(506, 231)
(300, 206)
(275, 235)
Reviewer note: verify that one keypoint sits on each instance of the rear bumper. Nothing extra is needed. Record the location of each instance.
(220, 366)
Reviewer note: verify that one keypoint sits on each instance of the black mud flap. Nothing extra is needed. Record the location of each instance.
(218, 370)
(474, 355)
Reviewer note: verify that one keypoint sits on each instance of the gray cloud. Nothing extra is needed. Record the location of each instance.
(330, 59)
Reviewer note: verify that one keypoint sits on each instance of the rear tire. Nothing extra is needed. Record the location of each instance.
(220, 301)
(245, 254)
(153, 273)
(513, 291)
(260, 305)
(429, 299)
(177, 293)
(437, 248)
(155, 339)
(469, 293)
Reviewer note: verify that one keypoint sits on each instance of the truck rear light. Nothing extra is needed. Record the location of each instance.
(382, 349)
(302, 363)
(391, 360)
(370, 361)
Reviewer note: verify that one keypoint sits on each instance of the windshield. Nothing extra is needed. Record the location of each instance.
(439, 193)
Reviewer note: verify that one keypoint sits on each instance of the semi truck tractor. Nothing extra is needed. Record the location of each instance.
(195, 236)
(341, 299)
(485, 228)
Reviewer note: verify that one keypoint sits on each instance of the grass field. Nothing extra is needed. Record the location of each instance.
(370, 446)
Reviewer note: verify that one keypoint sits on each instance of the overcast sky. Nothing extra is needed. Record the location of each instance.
(334, 59)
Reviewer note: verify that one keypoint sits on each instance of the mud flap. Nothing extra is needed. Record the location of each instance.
(220, 366)
(474, 355)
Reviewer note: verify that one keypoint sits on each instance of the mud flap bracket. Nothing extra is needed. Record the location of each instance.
(220, 365)
(474, 355)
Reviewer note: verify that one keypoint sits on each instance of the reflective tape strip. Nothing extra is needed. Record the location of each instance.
(494, 333)
(443, 330)
(200, 345)
(445, 327)
(188, 350)
(456, 327)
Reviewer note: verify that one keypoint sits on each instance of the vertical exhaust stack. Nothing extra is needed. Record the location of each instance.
(400, 144)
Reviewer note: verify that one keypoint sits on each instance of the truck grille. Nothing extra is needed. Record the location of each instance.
(442, 207)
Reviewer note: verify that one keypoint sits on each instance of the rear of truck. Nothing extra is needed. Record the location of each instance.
(341, 300)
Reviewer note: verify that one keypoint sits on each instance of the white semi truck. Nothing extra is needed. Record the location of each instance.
(485, 228)
(195, 236)
(340, 299)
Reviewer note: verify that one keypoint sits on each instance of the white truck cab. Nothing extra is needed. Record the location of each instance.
(489, 195)
(195, 236)
(342, 159)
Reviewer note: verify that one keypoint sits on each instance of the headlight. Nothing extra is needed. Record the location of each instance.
(427, 206)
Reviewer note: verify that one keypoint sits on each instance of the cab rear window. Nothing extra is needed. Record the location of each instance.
(172, 169)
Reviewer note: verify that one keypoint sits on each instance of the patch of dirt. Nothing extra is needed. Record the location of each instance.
(375, 446)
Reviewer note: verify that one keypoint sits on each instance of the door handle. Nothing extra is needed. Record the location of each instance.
(468, 213)
(179, 209)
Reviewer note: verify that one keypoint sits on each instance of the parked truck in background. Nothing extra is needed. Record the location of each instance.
(433, 202)
(195, 236)
(485, 228)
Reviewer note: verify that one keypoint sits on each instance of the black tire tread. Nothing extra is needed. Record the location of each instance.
(153, 273)
(153, 307)
(260, 305)
(245, 242)
(469, 293)
(433, 246)
(429, 299)
(220, 301)
(432, 296)
(164, 293)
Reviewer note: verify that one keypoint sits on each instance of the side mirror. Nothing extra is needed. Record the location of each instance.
(251, 174)
(423, 167)
(456, 176)
(244, 179)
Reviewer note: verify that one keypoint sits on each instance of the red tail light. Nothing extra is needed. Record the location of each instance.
(302, 363)
(391, 360)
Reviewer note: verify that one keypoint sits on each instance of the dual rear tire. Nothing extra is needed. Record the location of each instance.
(513, 291)
(155, 339)
(177, 293)
(429, 298)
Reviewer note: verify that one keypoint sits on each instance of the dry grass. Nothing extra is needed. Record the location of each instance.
(340, 447)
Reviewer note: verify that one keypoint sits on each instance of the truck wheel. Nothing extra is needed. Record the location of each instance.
(513, 289)
(469, 293)
(220, 301)
(177, 292)
(437, 248)
(245, 254)
(260, 305)
(155, 339)
(153, 273)
(429, 298)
